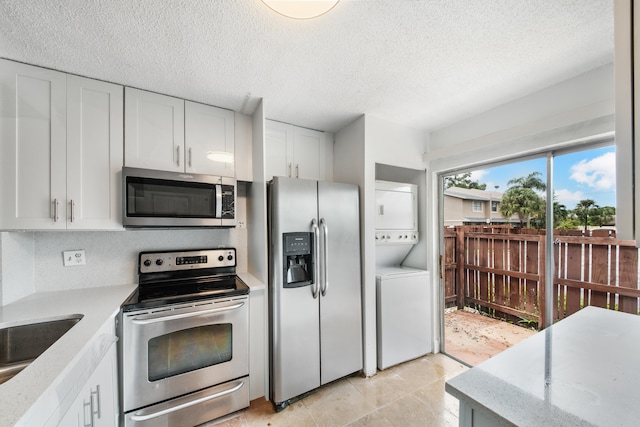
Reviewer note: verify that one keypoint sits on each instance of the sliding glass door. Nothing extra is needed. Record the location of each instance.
(500, 266)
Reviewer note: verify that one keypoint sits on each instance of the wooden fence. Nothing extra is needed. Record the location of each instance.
(501, 271)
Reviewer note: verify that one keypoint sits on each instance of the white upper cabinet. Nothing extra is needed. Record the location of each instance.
(33, 141)
(61, 144)
(94, 154)
(166, 133)
(209, 139)
(278, 149)
(153, 131)
(307, 152)
(297, 152)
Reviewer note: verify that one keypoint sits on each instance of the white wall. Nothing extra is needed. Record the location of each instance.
(359, 147)
(349, 167)
(403, 149)
(257, 203)
(16, 266)
(578, 108)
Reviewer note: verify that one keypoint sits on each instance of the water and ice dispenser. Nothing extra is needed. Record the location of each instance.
(298, 259)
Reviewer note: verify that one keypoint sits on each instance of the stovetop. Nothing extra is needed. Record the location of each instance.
(173, 277)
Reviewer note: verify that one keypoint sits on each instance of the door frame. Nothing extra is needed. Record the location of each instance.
(438, 178)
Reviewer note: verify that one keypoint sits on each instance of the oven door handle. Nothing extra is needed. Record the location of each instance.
(151, 318)
(142, 416)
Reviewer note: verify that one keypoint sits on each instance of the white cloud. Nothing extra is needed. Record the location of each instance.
(568, 198)
(478, 175)
(598, 173)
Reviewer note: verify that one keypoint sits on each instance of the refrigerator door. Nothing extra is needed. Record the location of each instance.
(295, 325)
(340, 306)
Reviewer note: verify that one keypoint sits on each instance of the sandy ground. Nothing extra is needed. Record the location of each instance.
(474, 338)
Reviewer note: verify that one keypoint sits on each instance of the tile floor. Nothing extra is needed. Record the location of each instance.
(410, 394)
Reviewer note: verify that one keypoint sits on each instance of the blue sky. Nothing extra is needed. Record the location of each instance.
(577, 176)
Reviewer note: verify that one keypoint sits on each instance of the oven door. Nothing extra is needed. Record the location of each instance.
(174, 350)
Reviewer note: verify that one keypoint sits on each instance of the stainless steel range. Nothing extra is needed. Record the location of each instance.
(184, 339)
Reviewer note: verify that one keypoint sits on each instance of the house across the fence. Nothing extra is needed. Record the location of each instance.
(464, 206)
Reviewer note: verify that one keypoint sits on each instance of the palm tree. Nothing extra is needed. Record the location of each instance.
(560, 214)
(523, 202)
(584, 210)
(530, 181)
(521, 199)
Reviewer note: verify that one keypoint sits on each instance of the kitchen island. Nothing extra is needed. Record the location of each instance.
(582, 371)
(43, 392)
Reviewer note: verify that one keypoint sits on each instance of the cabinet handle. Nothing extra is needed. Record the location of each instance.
(189, 156)
(73, 210)
(86, 405)
(55, 210)
(178, 155)
(97, 395)
(297, 175)
(289, 169)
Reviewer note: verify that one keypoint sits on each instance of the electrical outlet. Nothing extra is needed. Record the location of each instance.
(72, 258)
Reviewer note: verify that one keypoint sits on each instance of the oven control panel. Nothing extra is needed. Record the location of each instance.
(155, 262)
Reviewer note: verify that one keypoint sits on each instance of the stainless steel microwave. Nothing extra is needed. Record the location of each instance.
(155, 198)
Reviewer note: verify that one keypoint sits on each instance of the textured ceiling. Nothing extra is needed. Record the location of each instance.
(419, 63)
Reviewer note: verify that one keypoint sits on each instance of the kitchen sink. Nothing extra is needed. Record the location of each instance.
(21, 344)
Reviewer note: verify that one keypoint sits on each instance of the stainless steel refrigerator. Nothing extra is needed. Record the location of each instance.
(314, 285)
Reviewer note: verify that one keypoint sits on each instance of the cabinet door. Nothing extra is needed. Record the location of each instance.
(94, 154)
(32, 149)
(209, 139)
(96, 404)
(278, 149)
(306, 153)
(153, 131)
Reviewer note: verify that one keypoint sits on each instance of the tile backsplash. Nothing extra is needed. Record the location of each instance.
(111, 256)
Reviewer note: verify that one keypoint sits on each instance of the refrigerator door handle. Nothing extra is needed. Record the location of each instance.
(316, 256)
(325, 261)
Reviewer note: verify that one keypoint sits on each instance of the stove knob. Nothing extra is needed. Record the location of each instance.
(159, 261)
(147, 262)
(220, 258)
(230, 257)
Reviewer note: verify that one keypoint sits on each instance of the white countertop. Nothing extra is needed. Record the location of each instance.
(581, 371)
(251, 281)
(27, 398)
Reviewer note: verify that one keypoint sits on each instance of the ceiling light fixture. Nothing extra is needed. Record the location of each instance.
(301, 9)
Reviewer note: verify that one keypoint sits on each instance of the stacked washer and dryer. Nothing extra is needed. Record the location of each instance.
(404, 329)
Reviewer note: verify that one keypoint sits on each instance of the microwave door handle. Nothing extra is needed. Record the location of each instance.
(142, 416)
(147, 319)
(218, 201)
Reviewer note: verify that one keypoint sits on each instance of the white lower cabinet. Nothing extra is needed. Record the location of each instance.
(96, 404)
